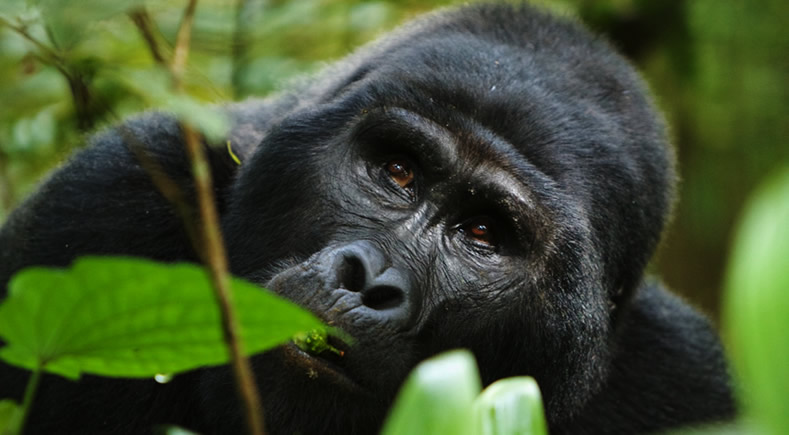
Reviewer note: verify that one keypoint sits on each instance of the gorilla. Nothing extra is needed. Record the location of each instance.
(488, 177)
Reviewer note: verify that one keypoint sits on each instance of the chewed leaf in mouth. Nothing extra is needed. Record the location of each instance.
(316, 341)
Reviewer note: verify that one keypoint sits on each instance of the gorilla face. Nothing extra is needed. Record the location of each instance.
(454, 192)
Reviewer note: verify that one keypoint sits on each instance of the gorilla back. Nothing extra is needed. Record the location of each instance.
(488, 177)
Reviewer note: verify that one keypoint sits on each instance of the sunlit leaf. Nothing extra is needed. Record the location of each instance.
(437, 397)
(510, 406)
(155, 87)
(133, 318)
(757, 305)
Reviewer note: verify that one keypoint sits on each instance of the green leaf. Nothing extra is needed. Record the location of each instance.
(133, 318)
(510, 406)
(155, 87)
(757, 305)
(437, 397)
(10, 417)
(71, 21)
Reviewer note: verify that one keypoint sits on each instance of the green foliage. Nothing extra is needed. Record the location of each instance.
(437, 397)
(441, 396)
(153, 86)
(71, 66)
(757, 305)
(510, 406)
(70, 22)
(133, 318)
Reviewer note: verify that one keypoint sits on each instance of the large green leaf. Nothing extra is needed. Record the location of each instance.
(133, 318)
(510, 406)
(757, 305)
(437, 397)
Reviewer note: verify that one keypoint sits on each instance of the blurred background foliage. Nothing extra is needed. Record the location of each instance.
(718, 69)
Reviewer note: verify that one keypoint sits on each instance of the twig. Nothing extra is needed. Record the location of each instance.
(80, 92)
(182, 44)
(211, 250)
(142, 20)
(165, 185)
(216, 259)
(52, 56)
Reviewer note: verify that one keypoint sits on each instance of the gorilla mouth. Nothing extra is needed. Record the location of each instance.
(324, 366)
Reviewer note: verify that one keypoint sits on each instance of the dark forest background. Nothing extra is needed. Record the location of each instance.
(718, 69)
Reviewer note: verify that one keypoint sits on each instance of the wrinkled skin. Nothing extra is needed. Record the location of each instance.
(488, 178)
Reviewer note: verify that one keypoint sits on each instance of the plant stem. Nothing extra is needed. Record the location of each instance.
(214, 254)
(51, 55)
(30, 394)
(142, 20)
(211, 247)
(80, 92)
(216, 260)
(182, 38)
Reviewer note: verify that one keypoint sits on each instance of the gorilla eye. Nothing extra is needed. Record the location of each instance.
(479, 230)
(400, 172)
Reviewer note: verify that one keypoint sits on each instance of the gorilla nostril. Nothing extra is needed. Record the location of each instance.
(383, 297)
(352, 274)
(383, 290)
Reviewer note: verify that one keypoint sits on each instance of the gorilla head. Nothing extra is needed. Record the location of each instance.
(489, 178)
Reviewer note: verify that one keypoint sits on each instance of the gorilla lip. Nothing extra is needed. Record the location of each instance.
(323, 366)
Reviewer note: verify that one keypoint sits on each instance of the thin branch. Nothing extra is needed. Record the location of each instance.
(142, 20)
(52, 56)
(165, 185)
(182, 44)
(211, 249)
(80, 92)
(216, 259)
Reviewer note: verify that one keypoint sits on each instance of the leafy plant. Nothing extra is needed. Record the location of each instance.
(129, 317)
(757, 306)
(510, 406)
(441, 396)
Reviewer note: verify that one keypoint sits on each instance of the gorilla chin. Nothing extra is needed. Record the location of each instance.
(488, 177)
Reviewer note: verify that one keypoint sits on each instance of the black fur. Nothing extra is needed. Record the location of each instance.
(506, 117)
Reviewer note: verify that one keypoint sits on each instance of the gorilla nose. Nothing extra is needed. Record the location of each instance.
(385, 291)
